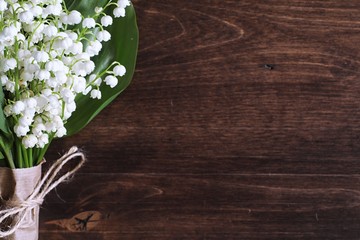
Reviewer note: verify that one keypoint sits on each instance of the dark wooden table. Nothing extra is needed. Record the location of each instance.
(241, 122)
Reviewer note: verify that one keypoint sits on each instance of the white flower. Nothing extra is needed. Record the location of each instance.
(27, 76)
(4, 79)
(64, 18)
(18, 107)
(76, 48)
(3, 5)
(87, 90)
(92, 77)
(30, 103)
(119, 70)
(83, 68)
(72, 35)
(98, 10)
(88, 23)
(50, 30)
(20, 130)
(60, 77)
(79, 84)
(36, 11)
(37, 32)
(94, 48)
(52, 10)
(119, 12)
(95, 94)
(79, 69)
(29, 112)
(29, 141)
(46, 92)
(43, 139)
(42, 74)
(29, 27)
(51, 82)
(20, 37)
(61, 132)
(10, 86)
(106, 20)
(83, 56)
(71, 107)
(73, 18)
(8, 110)
(25, 120)
(31, 67)
(67, 95)
(103, 36)
(40, 56)
(123, 3)
(26, 17)
(50, 66)
(7, 36)
(97, 82)
(22, 54)
(111, 81)
(94, 80)
(38, 120)
(58, 122)
(89, 66)
(9, 64)
(64, 43)
(53, 54)
(38, 129)
(50, 126)
(54, 101)
(55, 66)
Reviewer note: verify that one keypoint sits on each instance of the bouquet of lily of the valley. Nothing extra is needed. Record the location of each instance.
(61, 63)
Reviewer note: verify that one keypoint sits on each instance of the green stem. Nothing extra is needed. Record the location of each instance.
(19, 154)
(8, 154)
(25, 156)
(42, 153)
(9, 158)
(35, 154)
(30, 154)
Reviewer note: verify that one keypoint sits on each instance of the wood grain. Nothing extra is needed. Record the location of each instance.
(209, 143)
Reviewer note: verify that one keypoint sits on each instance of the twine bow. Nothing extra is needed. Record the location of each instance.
(19, 211)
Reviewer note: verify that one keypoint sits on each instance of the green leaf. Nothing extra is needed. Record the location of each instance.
(6, 137)
(122, 48)
(4, 127)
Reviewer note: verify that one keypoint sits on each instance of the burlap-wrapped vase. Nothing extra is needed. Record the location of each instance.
(16, 185)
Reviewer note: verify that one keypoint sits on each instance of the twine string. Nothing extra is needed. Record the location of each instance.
(19, 210)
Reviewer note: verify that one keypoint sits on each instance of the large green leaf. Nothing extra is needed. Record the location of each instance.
(6, 137)
(4, 127)
(122, 48)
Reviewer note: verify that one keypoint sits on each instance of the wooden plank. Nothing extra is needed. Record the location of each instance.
(201, 206)
(242, 122)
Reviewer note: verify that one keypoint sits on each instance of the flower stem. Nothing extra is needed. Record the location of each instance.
(41, 151)
(9, 158)
(19, 154)
(25, 156)
(30, 155)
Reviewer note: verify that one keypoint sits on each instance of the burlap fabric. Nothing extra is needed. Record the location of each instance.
(16, 185)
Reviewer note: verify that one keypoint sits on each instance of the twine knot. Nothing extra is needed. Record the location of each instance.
(19, 210)
(30, 203)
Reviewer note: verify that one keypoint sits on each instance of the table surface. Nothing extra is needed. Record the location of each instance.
(241, 122)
